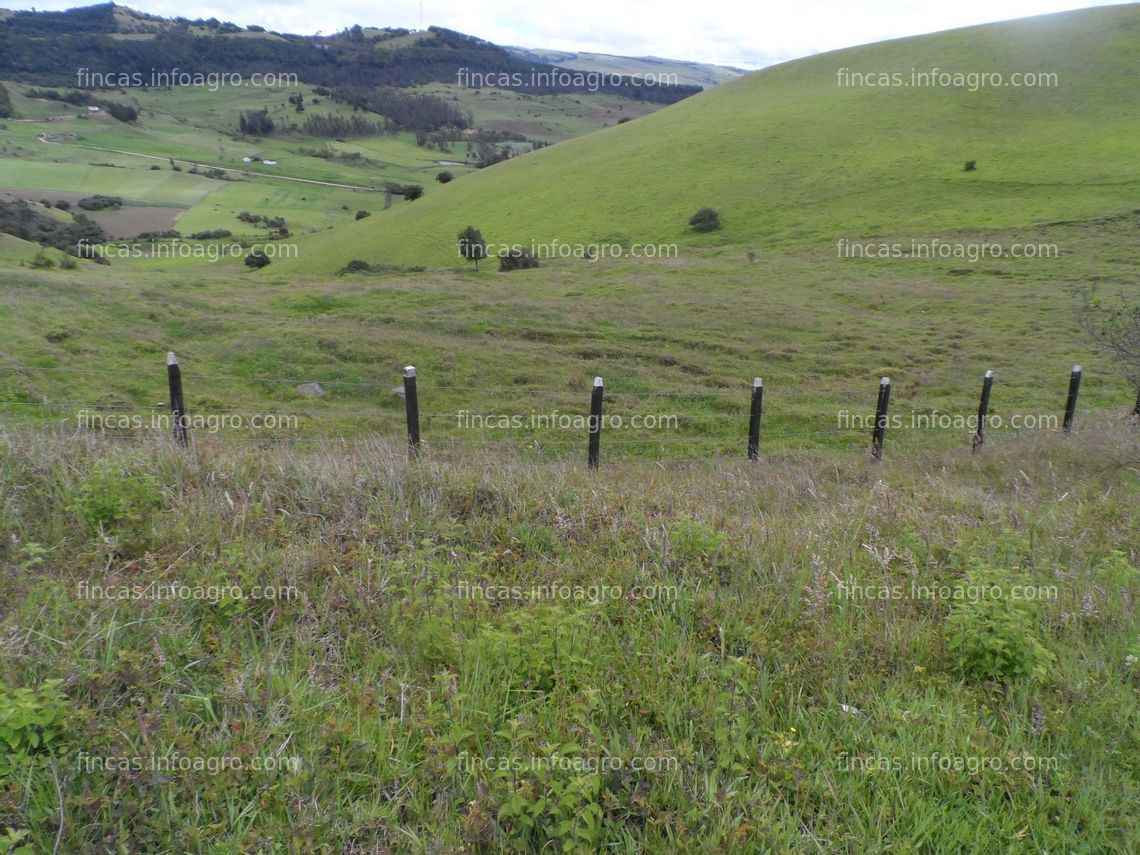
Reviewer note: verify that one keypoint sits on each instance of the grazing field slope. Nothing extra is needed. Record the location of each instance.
(789, 156)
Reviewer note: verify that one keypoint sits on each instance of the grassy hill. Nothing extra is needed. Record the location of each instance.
(791, 158)
(649, 67)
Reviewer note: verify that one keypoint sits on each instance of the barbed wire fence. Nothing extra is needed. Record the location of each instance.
(589, 423)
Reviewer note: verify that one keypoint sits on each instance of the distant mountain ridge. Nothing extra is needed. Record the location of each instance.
(49, 48)
(685, 72)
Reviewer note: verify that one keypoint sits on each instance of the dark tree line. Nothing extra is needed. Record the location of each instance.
(122, 112)
(48, 48)
(22, 220)
(341, 126)
(405, 111)
(256, 123)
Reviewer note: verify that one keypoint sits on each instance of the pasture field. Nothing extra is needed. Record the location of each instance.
(290, 649)
(294, 637)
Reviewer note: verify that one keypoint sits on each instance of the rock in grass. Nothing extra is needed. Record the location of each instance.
(311, 390)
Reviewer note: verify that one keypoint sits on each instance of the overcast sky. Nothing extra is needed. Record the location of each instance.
(743, 33)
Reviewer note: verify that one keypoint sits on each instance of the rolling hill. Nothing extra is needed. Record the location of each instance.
(795, 155)
(652, 67)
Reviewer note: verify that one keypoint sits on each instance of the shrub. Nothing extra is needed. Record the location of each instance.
(705, 220)
(971, 165)
(360, 215)
(993, 635)
(257, 259)
(516, 259)
(444, 177)
(413, 192)
(357, 265)
(42, 262)
(111, 498)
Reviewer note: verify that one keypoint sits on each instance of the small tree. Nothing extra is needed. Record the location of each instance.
(705, 220)
(472, 246)
(444, 177)
(413, 192)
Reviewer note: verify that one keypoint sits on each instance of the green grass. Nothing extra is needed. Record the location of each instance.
(820, 330)
(784, 713)
(791, 159)
(773, 707)
(195, 125)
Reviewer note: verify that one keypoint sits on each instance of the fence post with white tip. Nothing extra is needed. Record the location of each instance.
(412, 407)
(754, 418)
(595, 423)
(983, 411)
(880, 431)
(177, 404)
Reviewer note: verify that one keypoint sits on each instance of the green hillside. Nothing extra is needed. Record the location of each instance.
(790, 157)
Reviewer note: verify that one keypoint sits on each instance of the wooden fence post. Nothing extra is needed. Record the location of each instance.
(595, 424)
(177, 404)
(983, 411)
(880, 431)
(1071, 400)
(412, 407)
(754, 418)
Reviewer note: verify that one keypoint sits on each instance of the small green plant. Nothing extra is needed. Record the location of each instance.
(993, 636)
(32, 555)
(696, 544)
(567, 812)
(111, 498)
(10, 843)
(31, 720)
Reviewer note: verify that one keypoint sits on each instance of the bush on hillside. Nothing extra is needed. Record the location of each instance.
(705, 220)
(256, 260)
(517, 259)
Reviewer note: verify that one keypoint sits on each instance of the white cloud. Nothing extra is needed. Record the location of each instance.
(732, 33)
